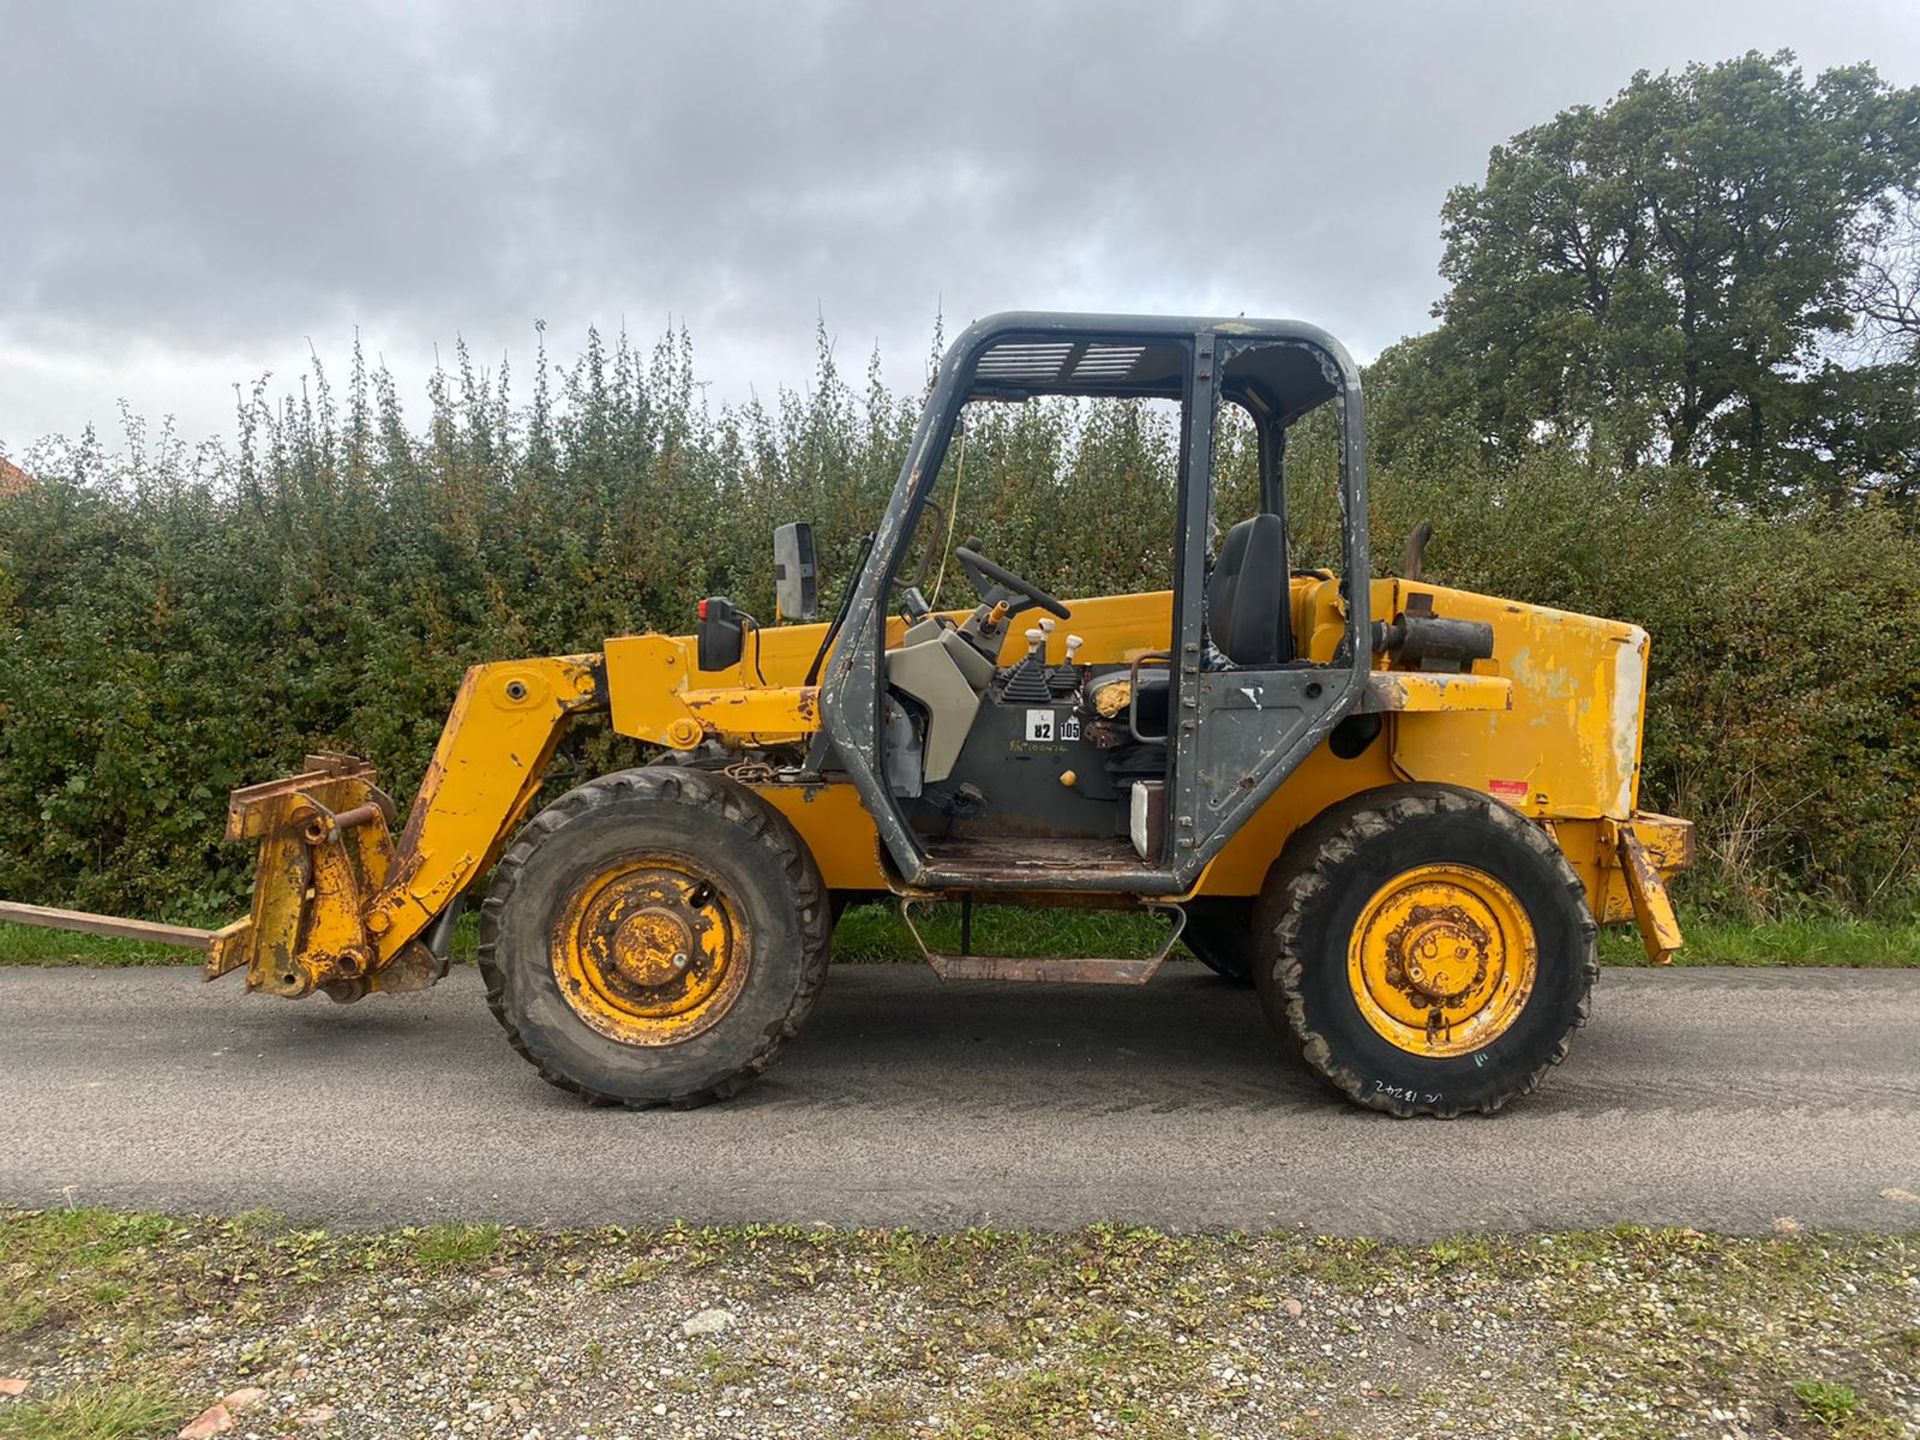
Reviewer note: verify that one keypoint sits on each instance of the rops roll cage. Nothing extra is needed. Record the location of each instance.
(1235, 734)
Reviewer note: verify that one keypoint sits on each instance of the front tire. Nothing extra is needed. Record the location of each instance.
(1430, 949)
(654, 937)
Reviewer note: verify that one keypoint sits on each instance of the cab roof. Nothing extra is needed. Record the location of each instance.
(1281, 368)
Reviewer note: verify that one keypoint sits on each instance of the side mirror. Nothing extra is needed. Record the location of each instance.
(796, 573)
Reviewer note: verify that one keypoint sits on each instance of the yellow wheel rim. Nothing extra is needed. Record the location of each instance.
(650, 951)
(1442, 960)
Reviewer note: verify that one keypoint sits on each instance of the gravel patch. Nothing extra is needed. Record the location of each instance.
(476, 1331)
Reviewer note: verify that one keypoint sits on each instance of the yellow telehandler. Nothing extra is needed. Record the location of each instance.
(1399, 809)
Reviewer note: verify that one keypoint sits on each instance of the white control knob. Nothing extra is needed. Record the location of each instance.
(1074, 642)
(1035, 639)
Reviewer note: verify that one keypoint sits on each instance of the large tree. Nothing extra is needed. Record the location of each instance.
(1668, 277)
(1886, 290)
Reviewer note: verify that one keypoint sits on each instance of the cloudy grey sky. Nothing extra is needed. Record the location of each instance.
(191, 193)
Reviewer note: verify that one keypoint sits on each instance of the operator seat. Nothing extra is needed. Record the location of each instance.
(1249, 594)
(1249, 604)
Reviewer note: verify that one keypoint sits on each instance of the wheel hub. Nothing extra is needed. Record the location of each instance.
(650, 951)
(1438, 955)
(653, 947)
(1442, 960)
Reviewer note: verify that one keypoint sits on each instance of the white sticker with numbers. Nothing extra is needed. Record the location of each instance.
(1040, 725)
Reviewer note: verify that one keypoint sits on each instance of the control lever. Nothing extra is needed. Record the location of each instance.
(1064, 679)
(1028, 682)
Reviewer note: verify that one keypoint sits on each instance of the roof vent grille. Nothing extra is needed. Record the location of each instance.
(1042, 362)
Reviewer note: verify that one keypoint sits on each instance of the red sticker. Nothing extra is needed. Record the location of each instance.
(1512, 791)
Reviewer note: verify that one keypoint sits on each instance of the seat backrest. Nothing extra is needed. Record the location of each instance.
(1247, 594)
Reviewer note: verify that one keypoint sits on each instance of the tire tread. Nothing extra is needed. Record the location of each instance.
(741, 809)
(1312, 864)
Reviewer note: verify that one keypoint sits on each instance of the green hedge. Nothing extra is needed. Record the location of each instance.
(176, 623)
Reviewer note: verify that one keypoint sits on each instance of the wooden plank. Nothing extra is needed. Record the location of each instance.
(112, 925)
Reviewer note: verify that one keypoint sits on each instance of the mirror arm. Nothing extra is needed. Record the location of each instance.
(840, 615)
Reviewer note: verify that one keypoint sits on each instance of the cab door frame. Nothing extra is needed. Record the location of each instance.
(1238, 732)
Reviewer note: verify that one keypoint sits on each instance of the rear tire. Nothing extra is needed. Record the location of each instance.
(1430, 950)
(1220, 935)
(654, 937)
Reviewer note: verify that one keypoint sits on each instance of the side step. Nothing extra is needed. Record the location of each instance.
(1046, 969)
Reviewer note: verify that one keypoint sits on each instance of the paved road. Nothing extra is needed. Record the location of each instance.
(1722, 1099)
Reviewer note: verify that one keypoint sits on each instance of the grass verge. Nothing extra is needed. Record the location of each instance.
(31, 945)
(94, 1412)
(122, 1324)
(874, 934)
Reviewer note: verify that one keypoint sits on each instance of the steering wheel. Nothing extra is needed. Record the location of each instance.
(981, 570)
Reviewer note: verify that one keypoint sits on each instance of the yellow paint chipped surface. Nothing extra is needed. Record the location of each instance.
(1570, 745)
